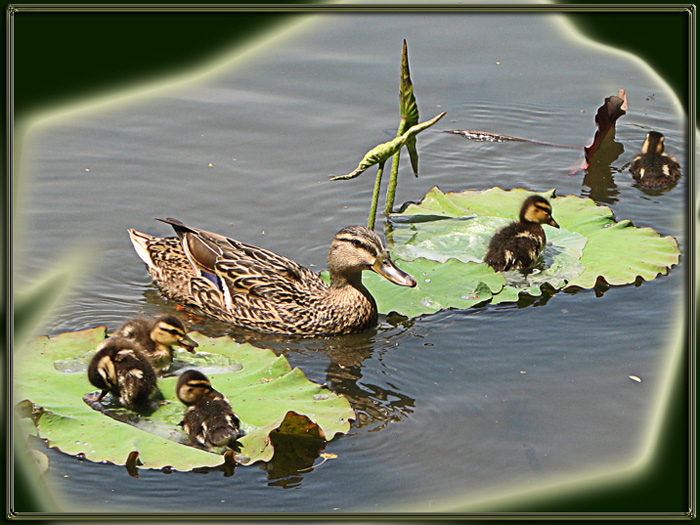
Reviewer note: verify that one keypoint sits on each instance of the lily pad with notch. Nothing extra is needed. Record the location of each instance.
(265, 392)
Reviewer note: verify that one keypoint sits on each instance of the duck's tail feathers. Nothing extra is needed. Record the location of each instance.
(141, 242)
(179, 226)
(223, 435)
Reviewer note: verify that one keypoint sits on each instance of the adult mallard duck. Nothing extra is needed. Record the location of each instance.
(209, 419)
(257, 289)
(654, 168)
(519, 244)
(119, 367)
(156, 338)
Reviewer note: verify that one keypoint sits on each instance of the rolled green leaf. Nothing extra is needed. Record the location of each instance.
(382, 152)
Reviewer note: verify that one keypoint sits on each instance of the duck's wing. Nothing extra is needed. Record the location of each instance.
(239, 268)
(257, 272)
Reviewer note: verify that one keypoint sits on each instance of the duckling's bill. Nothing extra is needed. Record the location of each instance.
(552, 222)
(188, 344)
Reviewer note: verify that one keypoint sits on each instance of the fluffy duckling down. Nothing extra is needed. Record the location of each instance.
(208, 419)
(119, 367)
(518, 245)
(654, 168)
(156, 338)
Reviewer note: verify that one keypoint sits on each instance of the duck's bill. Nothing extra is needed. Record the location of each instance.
(188, 344)
(390, 272)
(552, 222)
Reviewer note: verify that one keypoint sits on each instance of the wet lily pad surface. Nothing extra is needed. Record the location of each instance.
(442, 240)
(263, 389)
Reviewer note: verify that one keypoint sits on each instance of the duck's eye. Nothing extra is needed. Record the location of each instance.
(357, 243)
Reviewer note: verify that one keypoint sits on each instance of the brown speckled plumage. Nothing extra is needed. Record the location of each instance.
(653, 168)
(254, 288)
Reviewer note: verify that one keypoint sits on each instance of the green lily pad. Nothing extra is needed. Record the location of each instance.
(445, 237)
(264, 391)
(453, 284)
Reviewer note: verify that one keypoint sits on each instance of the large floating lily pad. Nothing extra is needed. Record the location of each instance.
(266, 393)
(442, 241)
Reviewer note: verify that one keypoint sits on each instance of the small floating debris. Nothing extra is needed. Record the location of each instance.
(635, 378)
(486, 136)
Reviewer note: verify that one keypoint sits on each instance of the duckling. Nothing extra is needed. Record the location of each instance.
(156, 337)
(119, 367)
(655, 169)
(519, 244)
(256, 289)
(208, 419)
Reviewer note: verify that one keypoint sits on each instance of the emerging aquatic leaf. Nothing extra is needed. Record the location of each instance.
(264, 391)
(408, 107)
(381, 153)
(407, 100)
(606, 116)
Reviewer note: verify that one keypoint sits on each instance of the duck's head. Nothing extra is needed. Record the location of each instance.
(538, 210)
(357, 248)
(168, 330)
(193, 386)
(653, 143)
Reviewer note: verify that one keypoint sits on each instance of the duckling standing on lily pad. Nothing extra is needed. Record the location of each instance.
(518, 245)
(119, 367)
(257, 289)
(209, 419)
(655, 169)
(156, 338)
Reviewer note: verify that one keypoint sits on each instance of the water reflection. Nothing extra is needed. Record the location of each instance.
(341, 361)
(294, 455)
(599, 175)
(376, 405)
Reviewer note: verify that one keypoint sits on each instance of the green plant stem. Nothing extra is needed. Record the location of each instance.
(375, 197)
(394, 175)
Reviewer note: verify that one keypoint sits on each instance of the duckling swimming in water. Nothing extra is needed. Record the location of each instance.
(209, 419)
(519, 244)
(119, 367)
(655, 169)
(156, 338)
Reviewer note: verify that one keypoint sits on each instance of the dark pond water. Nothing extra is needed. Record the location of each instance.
(452, 408)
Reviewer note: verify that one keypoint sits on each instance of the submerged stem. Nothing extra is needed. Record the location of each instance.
(375, 197)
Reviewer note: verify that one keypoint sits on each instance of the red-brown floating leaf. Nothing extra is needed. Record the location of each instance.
(229, 466)
(606, 116)
(132, 461)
